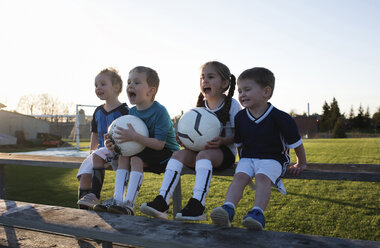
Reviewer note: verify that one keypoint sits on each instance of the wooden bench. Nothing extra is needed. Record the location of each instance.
(148, 232)
(314, 171)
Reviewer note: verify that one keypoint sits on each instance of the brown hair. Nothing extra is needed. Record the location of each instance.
(260, 75)
(225, 74)
(151, 75)
(114, 76)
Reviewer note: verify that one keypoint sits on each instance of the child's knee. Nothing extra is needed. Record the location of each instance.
(97, 161)
(241, 178)
(263, 179)
(137, 164)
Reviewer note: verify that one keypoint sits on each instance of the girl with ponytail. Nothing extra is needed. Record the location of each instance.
(219, 153)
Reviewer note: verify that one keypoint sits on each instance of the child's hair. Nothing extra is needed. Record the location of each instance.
(225, 74)
(260, 75)
(114, 76)
(151, 75)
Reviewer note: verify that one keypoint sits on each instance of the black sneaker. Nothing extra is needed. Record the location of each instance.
(156, 208)
(194, 210)
(104, 206)
(123, 208)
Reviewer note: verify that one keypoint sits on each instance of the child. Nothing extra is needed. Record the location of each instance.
(108, 86)
(219, 153)
(142, 87)
(265, 135)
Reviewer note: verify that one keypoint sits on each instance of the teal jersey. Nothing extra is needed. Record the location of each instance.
(159, 124)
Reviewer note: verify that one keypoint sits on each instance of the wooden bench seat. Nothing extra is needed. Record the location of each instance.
(148, 232)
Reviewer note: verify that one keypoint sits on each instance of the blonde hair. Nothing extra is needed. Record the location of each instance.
(114, 77)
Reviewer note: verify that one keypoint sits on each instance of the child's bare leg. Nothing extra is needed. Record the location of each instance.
(85, 181)
(263, 191)
(236, 188)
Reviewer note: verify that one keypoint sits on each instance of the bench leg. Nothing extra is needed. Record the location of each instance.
(106, 244)
(2, 182)
(177, 199)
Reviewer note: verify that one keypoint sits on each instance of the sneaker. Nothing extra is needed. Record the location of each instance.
(157, 208)
(121, 208)
(104, 206)
(254, 220)
(222, 216)
(194, 210)
(89, 200)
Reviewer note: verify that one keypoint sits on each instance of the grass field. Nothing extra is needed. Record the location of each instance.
(329, 208)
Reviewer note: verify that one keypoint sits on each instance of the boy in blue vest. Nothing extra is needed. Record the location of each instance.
(108, 86)
(264, 136)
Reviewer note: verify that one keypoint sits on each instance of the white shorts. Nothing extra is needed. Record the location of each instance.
(87, 165)
(269, 167)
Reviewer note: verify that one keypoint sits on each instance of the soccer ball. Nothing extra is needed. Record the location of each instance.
(129, 148)
(198, 126)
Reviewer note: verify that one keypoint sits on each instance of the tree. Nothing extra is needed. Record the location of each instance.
(334, 113)
(351, 117)
(339, 130)
(41, 104)
(324, 123)
(330, 115)
(376, 119)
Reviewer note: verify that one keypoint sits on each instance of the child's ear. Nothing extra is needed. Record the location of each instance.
(268, 91)
(152, 91)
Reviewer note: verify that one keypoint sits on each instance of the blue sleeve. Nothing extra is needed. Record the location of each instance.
(162, 125)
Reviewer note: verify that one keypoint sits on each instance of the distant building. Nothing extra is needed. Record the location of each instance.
(21, 126)
(307, 125)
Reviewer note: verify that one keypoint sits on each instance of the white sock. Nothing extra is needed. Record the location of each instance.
(135, 180)
(171, 178)
(203, 173)
(121, 180)
(258, 208)
(230, 204)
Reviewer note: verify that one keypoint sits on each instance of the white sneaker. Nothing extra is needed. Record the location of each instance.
(89, 200)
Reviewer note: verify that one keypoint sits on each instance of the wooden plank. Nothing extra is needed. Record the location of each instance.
(148, 232)
(36, 160)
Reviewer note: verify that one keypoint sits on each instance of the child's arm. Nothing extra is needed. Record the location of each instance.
(130, 134)
(94, 142)
(297, 168)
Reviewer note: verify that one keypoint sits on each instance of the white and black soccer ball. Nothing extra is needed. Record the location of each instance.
(198, 126)
(129, 148)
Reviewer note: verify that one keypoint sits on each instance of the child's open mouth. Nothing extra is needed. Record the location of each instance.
(207, 90)
(131, 95)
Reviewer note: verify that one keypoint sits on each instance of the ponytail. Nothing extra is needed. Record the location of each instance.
(200, 100)
(227, 104)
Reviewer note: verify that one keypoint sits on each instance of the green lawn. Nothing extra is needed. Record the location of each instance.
(329, 208)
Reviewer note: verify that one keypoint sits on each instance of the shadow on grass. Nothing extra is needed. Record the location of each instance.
(340, 202)
(43, 185)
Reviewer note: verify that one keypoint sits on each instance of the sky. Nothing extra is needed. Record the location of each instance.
(317, 50)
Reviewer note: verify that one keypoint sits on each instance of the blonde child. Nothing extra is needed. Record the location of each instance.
(264, 135)
(142, 88)
(219, 153)
(108, 86)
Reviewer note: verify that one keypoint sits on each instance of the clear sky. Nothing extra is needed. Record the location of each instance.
(317, 49)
